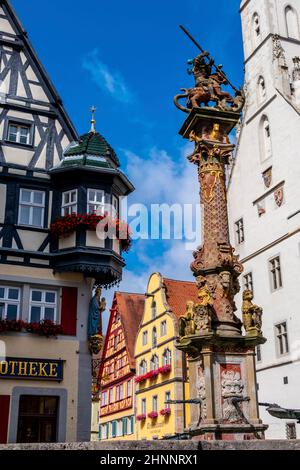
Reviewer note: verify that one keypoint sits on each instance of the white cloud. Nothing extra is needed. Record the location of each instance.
(110, 81)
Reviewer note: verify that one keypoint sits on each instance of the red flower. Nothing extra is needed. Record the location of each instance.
(152, 414)
(65, 225)
(141, 417)
(165, 369)
(165, 411)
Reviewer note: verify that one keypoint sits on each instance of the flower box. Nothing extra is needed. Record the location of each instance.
(141, 417)
(63, 226)
(165, 369)
(152, 414)
(165, 411)
(140, 379)
(152, 374)
(45, 328)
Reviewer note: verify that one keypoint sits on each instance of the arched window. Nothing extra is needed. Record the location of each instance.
(154, 338)
(292, 24)
(265, 137)
(153, 309)
(154, 362)
(261, 85)
(143, 367)
(256, 31)
(167, 357)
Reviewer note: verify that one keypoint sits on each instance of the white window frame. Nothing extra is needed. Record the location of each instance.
(155, 403)
(167, 397)
(248, 281)
(143, 367)
(282, 335)
(143, 406)
(154, 363)
(6, 301)
(145, 337)
(43, 304)
(154, 337)
(167, 357)
(31, 204)
(104, 398)
(65, 206)
(163, 328)
(275, 273)
(104, 431)
(239, 229)
(19, 126)
(115, 205)
(100, 206)
(111, 395)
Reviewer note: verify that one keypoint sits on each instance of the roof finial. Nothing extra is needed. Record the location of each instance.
(93, 122)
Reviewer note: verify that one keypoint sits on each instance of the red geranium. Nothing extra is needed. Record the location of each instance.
(165, 411)
(141, 417)
(152, 414)
(165, 369)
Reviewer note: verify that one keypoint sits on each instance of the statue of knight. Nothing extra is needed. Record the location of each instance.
(94, 330)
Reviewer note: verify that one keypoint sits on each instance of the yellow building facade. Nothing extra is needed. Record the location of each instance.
(161, 372)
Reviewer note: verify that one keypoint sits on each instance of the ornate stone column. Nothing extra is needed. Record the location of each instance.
(221, 357)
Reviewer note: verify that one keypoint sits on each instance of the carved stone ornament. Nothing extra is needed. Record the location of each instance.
(201, 393)
(278, 51)
(232, 387)
(296, 69)
(278, 196)
(95, 344)
(267, 177)
(252, 314)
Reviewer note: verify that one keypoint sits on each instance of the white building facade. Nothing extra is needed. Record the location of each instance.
(264, 197)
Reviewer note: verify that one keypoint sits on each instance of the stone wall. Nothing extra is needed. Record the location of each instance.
(168, 445)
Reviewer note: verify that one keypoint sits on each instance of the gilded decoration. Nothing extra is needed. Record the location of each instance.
(252, 315)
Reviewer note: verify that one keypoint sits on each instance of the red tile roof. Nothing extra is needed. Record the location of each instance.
(131, 309)
(178, 293)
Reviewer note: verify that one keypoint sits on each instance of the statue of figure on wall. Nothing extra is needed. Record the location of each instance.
(203, 308)
(96, 307)
(94, 330)
(186, 323)
(252, 314)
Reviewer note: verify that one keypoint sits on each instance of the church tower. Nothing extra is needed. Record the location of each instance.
(54, 189)
(264, 195)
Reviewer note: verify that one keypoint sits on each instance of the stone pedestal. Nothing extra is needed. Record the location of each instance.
(221, 356)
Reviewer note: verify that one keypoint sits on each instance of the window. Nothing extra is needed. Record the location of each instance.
(154, 403)
(116, 341)
(275, 271)
(292, 25)
(258, 353)
(248, 282)
(143, 367)
(281, 338)
(154, 338)
(145, 338)
(104, 398)
(111, 395)
(291, 432)
(261, 89)
(163, 328)
(31, 208)
(9, 303)
(69, 202)
(121, 396)
(104, 431)
(154, 362)
(119, 427)
(37, 418)
(143, 406)
(115, 206)
(256, 31)
(239, 230)
(167, 398)
(19, 133)
(43, 305)
(117, 393)
(167, 357)
(95, 201)
(128, 388)
(265, 138)
(153, 309)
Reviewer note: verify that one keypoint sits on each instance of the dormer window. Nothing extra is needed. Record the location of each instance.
(69, 202)
(19, 133)
(95, 201)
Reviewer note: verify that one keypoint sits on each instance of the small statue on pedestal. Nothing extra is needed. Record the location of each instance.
(252, 314)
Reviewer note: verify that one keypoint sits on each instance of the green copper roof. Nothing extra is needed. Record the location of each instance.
(89, 147)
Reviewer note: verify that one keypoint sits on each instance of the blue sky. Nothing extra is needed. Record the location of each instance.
(128, 58)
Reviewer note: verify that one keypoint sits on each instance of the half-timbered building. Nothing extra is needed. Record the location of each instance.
(117, 371)
(48, 267)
